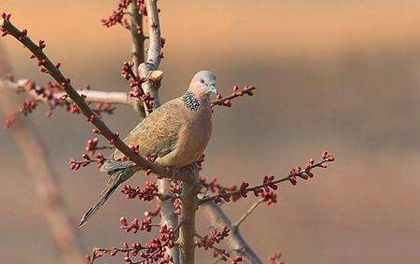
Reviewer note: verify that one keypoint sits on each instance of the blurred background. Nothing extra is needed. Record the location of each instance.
(342, 76)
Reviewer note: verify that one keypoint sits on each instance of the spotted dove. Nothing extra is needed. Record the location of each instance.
(176, 134)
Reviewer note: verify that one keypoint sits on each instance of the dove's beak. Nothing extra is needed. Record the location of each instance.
(212, 88)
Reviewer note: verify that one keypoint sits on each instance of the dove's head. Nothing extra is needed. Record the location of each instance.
(203, 83)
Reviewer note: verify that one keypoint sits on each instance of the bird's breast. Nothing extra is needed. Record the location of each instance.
(193, 138)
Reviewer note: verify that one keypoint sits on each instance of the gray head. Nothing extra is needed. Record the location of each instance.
(203, 83)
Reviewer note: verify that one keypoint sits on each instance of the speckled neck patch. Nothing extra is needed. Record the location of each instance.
(191, 101)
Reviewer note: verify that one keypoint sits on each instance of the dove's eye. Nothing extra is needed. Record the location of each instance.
(202, 81)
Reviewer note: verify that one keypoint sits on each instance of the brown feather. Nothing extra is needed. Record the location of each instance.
(158, 133)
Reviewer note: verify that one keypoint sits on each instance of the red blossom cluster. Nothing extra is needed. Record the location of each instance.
(148, 193)
(269, 184)
(28, 106)
(4, 16)
(153, 252)
(92, 145)
(215, 237)
(135, 225)
(77, 164)
(237, 92)
(51, 96)
(178, 206)
(176, 187)
(269, 197)
(135, 84)
(118, 16)
(41, 94)
(207, 242)
(213, 185)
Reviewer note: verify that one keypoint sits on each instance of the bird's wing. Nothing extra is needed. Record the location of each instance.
(156, 135)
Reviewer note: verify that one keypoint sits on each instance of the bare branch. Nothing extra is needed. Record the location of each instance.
(247, 213)
(155, 40)
(137, 36)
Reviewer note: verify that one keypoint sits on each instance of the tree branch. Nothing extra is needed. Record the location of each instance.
(303, 173)
(151, 87)
(8, 28)
(155, 40)
(167, 215)
(247, 213)
(237, 92)
(137, 36)
(90, 95)
(153, 52)
(219, 219)
(189, 207)
(98, 96)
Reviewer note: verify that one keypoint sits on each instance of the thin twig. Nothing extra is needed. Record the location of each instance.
(247, 90)
(290, 177)
(94, 96)
(247, 213)
(219, 219)
(221, 252)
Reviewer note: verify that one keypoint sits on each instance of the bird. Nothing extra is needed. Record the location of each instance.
(176, 133)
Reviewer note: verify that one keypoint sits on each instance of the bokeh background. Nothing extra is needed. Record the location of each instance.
(342, 76)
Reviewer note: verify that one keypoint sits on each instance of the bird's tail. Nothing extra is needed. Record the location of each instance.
(115, 179)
